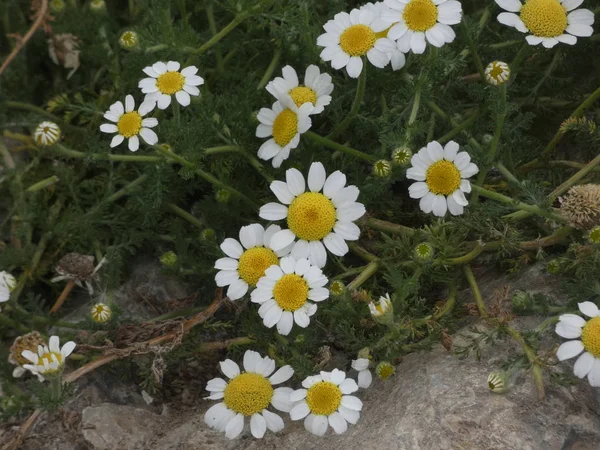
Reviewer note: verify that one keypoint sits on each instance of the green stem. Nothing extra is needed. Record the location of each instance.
(360, 92)
(533, 360)
(389, 227)
(61, 149)
(440, 112)
(176, 112)
(236, 149)
(507, 173)
(483, 312)
(467, 258)
(461, 127)
(270, 69)
(224, 32)
(40, 185)
(186, 215)
(547, 74)
(363, 253)
(212, 25)
(520, 56)
(473, 49)
(342, 148)
(369, 271)
(39, 111)
(56, 387)
(130, 187)
(9, 162)
(504, 44)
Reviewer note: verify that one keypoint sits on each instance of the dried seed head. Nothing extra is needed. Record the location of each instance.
(75, 266)
(581, 206)
(63, 51)
(29, 341)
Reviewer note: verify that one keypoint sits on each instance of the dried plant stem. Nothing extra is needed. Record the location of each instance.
(63, 296)
(220, 345)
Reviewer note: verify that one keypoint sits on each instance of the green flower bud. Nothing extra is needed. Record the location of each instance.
(337, 288)
(383, 310)
(208, 234)
(223, 196)
(401, 156)
(594, 235)
(168, 259)
(384, 370)
(57, 6)
(129, 40)
(498, 382)
(98, 6)
(424, 251)
(382, 168)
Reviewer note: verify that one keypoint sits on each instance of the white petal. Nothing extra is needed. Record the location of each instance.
(118, 139)
(189, 71)
(295, 181)
(334, 183)
(469, 171)
(350, 212)
(302, 265)
(589, 309)
(335, 244)
(134, 143)
(378, 58)
(232, 248)
(149, 122)
(573, 320)
(365, 379)
(164, 101)
(237, 289)
(274, 422)
(512, 20)
(30, 356)
(301, 318)
(351, 402)
(183, 98)
(418, 189)
(317, 254)
(272, 317)
(584, 364)
(297, 395)
(273, 211)
(129, 103)
(316, 177)
(67, 349)
(149, 136)
(287, 264)
(282, 375)
(281, 399)
(108, 128)
(345, 196)
(194, 80)
(285, 323)
(282, 239)
(567, 331)
(510, 5)
(258, 425)
(54, 344)
(594, 375)
(150, 72)
(300, 411)
(348, 386)
(216, 385)
(281, 191)
(569, 349)
(316, 424)
(173, 66)
(349, 414)
(338, 423)
(218, 416)
(235, 426)
(347, 230)
(226, 264)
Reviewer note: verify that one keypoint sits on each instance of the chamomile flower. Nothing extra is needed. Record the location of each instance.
(46, 133)
(384, 370)
(361, 365)
(101, 313)
(316, 89)
(382, 307)
(246, 263)
(315, 219)
(548, 22)
(441, 175)
(497, 73)
(49, 360)
(284, 123)
(586, 339)
(166, 80)
(349, 37)
(397, 58)
(325, 401)
(418, 22)
(286, 293)
(249, 393)
(7, 285)
(130, 124)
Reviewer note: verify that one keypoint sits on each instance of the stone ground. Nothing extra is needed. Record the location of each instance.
(435, 401)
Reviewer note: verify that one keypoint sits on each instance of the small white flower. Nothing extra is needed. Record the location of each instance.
(586, 339)
(101, 313)
(417, 22)
(548, 21)
(249, 394)
(130, 124)
(349, 37)
(285, 122)
(441, 175)
(7, 285)
(316, 219)
(361, 365)
(497, 73)
(284, 293)
(166, 80)
(325, 401)
(381, 307)
(46, 133)
(48, 360)
(397, 58)
(316, 89)
(246, 263)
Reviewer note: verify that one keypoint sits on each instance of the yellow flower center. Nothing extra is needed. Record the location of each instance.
(170, 82)
(386, 371)
(383, 34)
(323, 398)
(379, 307)
(254, 262)
(594, 236)
(130, 38)
(129, 124)
(311, 216)
(591, 336)
(544, 18)
(302, 95)
(285, 127)
(290, 292)
(100, 313)
(248, 393)
(420, 15)
(49, 358)
(442, 177)
(357, 40)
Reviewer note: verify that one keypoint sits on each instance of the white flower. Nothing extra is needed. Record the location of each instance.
(548, 21)
(249, 394)
(361, 365)
(349, 37)
(46, 133)
(128, 123)
(325, 401)
(441, 175)
(284, 293)
(417, 22)
(166, 80)
(7, 285)
(316, 89)
(315, 218)
(497, 73)
(397, 58)
(586, 337)
(381, 307)
(100, 313)
(48, 360)
(285, 122)
(246, 263)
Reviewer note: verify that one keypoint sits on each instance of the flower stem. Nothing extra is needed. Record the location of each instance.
(515, 65)
(360, 92)
(63, 296)
(369, 271)
(212, 25)
(236, 149)
(440, 112)
(176, 112)
(270, 69)
(61, 149)
(457, 129)
(389, 227)
(507, 173)
(40, 185)
(186, 215)
(533, 360)
(473, 49)
(56, 387)
(483, 312)
(342, 148)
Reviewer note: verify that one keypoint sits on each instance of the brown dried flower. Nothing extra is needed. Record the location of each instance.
(581, 206)
(29, 341)
(79, 268)
(63, 51)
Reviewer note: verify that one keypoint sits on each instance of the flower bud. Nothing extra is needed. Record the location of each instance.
(384, 370)
(57, 6)
(168, 259)
(497, 73)
(401, 156)
(382, 311)
(594, 235)
(129, 40)
(223, 196)
(101, 313)
(497, 382)
(382, 168)
(424, 251)
(46, 134)
(98, 6)
(337, 288)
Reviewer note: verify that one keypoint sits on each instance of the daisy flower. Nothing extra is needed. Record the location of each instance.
(397, 58)
(7, 284)
(247, 259)
(48, 360)
(316, 89)
(101, 313)
(417, 22)
(249, 393)
(130, 124)
(497, 73)
(441, 175)
(349, 37)
(325, 401)
(285, 122)
(284, 293)
(46, 133)
(361, 365)
(166, 79)
(316, 219)
(586, 339)
(547, 21)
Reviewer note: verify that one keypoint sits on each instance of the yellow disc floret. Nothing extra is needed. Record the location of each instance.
(129, 124)
(544, 18)
(285, 127)
(290, 292)
(591, 336)
(50, 358)
(357, 40)
(170, 82)
(443, 177)
(384, 33)
(302, 95)
(311, 216)
(248, 393)
(420, 15)
(323, 398)
(254, 262)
